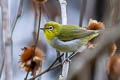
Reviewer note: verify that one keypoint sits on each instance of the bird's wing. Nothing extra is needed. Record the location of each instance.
(71, 32)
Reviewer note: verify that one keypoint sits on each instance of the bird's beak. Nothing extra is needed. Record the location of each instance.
(42, 29)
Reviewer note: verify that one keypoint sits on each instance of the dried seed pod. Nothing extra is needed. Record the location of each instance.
(30, 61)
(113, 67)
(94, 25)
(112, 48)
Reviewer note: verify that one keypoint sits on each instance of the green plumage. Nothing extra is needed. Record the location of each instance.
(67, 38)
(71, 32)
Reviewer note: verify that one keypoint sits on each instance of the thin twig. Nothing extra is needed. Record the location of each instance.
(7, 41)
(65, 68)
(49, 68)
(55, 61)
(38, 30)
(52, 66)
(27, 75)
(1, 69)
(82, 11)
(70, 57)
(18, 15)
(35, 20)
(1, 42)
(36, 39)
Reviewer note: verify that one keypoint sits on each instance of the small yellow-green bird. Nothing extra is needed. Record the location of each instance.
(67, 38)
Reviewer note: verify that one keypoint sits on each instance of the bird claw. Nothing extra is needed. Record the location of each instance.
(67, 60)
(91, 46)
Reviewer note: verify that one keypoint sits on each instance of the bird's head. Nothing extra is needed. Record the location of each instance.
(51, 29)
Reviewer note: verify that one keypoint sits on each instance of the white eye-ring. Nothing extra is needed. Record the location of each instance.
(50, 27)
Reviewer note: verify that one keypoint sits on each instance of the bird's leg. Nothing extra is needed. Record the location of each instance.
(58, 54)
(90, 45)
(71, 56)
(68, 59)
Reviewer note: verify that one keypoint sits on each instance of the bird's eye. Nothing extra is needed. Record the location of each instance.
(50, 27)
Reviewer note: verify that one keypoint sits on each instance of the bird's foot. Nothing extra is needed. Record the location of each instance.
(90, 45)
(67, 60)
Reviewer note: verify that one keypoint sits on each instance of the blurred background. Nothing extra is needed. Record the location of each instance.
(78, 12)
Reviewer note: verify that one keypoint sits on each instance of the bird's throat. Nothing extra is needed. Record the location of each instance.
(49, 36)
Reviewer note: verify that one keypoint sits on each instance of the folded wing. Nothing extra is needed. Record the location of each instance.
(71, 32)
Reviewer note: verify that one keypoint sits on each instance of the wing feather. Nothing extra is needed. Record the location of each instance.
(71, 32)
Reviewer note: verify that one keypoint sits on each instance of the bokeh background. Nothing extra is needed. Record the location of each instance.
(23, 33)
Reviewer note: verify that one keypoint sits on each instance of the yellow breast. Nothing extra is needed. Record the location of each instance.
(49, 35)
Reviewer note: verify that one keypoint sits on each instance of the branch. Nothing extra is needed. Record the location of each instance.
(65, 67)
(7, 41)
(1, 69)
(63, 5)
(82, 11)
(2, 43)
(51, 67)
(36, 38)
(18, 15)
(108, 36)
(38, 30)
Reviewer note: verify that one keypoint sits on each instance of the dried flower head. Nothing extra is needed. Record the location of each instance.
(30, 61)
(95, 25)
(113, 66)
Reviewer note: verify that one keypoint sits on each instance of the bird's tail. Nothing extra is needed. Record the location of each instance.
(95, 34)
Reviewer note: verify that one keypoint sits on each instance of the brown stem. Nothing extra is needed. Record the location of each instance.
(36, 39)
(27, 75)
(18, 15)
(82, 11)
(51, 67)
(37, 32)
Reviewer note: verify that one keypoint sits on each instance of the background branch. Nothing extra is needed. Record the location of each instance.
(7, 37)
(1, 43)
(37, 38)
(53, 66)
(90, 54)
(82, 11)
(49, 68)
(17, 16)
(65, 68)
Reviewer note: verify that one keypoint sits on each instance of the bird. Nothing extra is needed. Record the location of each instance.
(67, 38)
